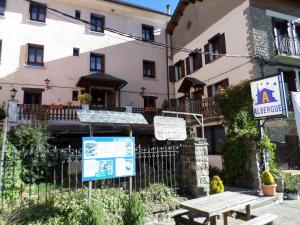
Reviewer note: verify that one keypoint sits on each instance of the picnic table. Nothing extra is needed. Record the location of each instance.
(213, 206)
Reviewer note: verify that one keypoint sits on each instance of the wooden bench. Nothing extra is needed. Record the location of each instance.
(181, 216)
(265, 219)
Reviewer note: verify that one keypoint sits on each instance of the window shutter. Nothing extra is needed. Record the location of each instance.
(152, 34)
(172, 74)
(187, 64)
(182, 68)
(153, 69)
(2, 6)
(210, 91)
(222, 43)
(207, 56)
(200, 58)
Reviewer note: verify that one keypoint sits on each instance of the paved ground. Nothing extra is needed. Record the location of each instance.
(288, 213)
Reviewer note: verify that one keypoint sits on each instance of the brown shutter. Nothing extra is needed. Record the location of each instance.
(200, 58)
(187, 64)
(222, 43)
(209, 91)
(182, 68)
(152, 34)
(172, 74)
(207, 56)
(153, 70)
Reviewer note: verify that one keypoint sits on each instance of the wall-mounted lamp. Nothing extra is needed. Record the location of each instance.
(47, 81)
(143, 89)
(13, 93)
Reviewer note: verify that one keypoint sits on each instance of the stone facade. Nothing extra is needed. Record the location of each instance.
(194, 167)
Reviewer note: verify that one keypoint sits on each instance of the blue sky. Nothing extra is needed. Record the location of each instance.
(156, 4)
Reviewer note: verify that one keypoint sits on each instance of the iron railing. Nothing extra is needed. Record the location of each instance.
(205, 106)
(63, 172)
(287, 45)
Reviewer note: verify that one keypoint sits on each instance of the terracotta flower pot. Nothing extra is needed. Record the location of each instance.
(269, 190)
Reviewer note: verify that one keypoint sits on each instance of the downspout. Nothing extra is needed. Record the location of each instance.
(167, 57)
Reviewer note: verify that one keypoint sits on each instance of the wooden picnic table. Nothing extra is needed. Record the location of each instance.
(226, 204)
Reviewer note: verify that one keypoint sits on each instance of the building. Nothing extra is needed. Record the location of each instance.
(268, 30)
(52, 51)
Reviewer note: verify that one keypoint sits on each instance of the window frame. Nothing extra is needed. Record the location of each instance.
(217, 45)
(102, 57)
(151, 64)
(77, 14)
(150, 29)
(179, 70)
(3, 7)
(38, 6)
(35, 47)
(100, 18)
(76, 51)
(75, 94)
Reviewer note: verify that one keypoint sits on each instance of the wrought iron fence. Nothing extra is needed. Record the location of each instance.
(287, 45)
(62, 171)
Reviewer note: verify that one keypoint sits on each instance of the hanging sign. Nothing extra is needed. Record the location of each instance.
(169, 128)
(269, 98)
(108, 157)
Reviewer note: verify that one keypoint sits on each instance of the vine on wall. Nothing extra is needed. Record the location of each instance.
(242, 138)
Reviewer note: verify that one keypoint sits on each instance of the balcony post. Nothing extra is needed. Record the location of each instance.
(12, 111)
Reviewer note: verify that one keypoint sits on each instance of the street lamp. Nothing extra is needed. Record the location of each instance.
(13, 93)
(47, 81)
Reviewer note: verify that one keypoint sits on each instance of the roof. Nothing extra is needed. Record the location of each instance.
(189, 82)
(178, 14)
(101, 79)
(136, 6)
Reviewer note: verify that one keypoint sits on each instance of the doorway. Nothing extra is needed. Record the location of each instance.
(32, 96)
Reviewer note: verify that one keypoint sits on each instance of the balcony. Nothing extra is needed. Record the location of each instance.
(205, 106)
(288, 50)
(67, 114)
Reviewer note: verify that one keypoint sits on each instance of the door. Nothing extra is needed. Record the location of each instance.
(32, 96)
(98, 97)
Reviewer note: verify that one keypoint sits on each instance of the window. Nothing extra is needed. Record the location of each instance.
(193, 61)
(35, 55)
(77, 14)
(75, 96)
(147, 33)
(97, 63)
(97, 23)
(37, 12)
(149, 69)
(212, 90)
(76, 51)
(216, 45)
(2, 7)
(179, 70)
(150, 101)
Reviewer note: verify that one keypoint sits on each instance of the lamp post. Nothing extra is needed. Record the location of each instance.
(13, 93)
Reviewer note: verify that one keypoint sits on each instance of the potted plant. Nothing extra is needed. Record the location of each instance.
(279, 179)
(268, 184)
(85, 98)
(291, 191)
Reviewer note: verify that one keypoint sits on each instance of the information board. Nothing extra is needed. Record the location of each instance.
(170, 128)
(269, 98)
(108, 157)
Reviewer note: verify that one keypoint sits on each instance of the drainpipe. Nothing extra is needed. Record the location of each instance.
(167, 57)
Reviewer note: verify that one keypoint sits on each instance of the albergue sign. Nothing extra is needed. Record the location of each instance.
(269, 98)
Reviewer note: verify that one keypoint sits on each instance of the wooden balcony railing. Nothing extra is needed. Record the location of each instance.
(205, 106)
(68, 113)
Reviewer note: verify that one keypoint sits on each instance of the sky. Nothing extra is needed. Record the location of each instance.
(156, 4)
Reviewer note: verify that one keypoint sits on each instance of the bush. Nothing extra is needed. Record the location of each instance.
(85, 98)
(291, 182)
(267, 178)
(134, 213)
(216, 185)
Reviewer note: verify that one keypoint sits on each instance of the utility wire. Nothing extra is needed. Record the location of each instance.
(137, 38)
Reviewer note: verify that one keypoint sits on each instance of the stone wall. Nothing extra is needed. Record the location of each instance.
(194, 167)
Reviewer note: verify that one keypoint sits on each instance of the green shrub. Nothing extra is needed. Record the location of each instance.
(134, 213)
(85, 98)
(216, 185)
(267, 178)
(291, 182)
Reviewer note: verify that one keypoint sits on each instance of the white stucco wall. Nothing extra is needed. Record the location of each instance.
(123, 57)
(209, 18)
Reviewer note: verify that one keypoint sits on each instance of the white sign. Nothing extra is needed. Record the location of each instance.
(296, 105)
(269, 97)
(108, 157)
(169, 128)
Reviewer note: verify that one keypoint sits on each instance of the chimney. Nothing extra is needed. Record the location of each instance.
(168, 9)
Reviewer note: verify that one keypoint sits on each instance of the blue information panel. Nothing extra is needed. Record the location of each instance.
(108, 157)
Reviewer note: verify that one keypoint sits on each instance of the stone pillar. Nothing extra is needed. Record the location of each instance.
(195, 167)
(12, 111)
